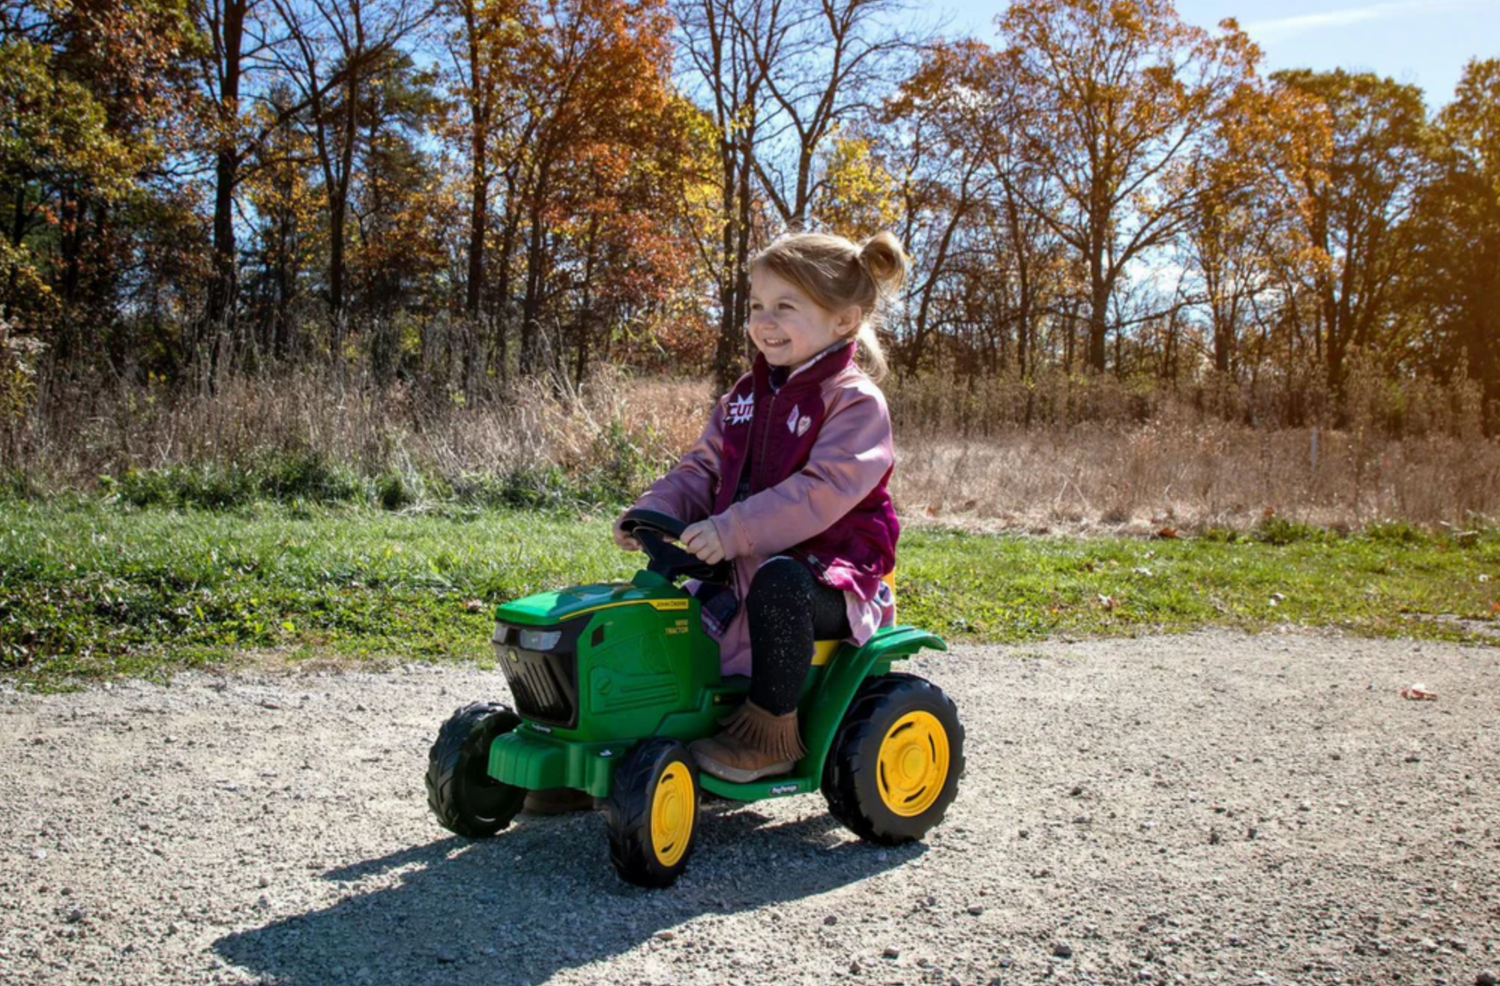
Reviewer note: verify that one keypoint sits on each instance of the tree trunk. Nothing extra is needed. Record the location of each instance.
(531, 306)
(223, 288)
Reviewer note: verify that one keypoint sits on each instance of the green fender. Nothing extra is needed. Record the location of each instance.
(842, 678)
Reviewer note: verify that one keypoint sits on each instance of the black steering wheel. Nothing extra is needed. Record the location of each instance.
(656, 532)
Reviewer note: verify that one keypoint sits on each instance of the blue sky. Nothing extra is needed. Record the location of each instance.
(1424, 42)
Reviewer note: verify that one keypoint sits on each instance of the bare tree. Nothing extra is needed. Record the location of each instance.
(336, 48)
(725, 75)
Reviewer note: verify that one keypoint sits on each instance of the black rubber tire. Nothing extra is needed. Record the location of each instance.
(627, 812)
(850, 781)
(460, 791)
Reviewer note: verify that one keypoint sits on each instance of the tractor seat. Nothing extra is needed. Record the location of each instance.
(823, 650)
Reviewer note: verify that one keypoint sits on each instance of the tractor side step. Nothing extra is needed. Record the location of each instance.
(769, 787)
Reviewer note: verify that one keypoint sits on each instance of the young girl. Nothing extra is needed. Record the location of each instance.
(788, 482)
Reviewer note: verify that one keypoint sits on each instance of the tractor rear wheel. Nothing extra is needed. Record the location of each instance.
(460, 790)
(652, 813)
(896, 760)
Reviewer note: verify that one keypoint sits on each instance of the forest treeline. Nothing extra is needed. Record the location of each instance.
(455, 196)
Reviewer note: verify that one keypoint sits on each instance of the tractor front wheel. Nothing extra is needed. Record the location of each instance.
(896, 759)
(460, 790)
(652, 813)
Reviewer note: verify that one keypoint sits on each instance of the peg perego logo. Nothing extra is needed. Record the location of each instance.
(784, 788)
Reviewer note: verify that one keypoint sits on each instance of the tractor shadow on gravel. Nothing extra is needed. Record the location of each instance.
(541, 897)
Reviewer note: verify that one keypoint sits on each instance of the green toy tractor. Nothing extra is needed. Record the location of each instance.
(612, 681)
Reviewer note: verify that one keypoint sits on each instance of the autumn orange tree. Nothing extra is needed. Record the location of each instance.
(1246, 224)
(94, 91)
(1457, 219)
(979, 215)
(1359, 206)
(1116, 99)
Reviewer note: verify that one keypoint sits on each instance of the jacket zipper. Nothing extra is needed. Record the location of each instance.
(765, 439)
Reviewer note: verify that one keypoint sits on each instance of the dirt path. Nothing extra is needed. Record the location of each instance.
(1208, 808)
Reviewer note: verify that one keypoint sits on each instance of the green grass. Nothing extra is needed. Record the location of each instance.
(90, 589)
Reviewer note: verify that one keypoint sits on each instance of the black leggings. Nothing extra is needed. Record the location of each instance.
(788, 609)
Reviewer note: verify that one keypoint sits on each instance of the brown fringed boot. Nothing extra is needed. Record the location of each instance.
(752, 744)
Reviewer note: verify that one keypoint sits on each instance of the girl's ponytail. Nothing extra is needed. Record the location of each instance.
(883, 257)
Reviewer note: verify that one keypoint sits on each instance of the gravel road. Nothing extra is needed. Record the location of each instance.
(1206, 808)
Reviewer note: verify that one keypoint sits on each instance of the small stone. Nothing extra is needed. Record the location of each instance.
(1485, 978)
(665, 935)
(854, 967)
(445, 957)
(891, 952)
(263, 882)
(1077, 791)
(976, 910)
(75, 915)
(1062, 950)
(831, 919)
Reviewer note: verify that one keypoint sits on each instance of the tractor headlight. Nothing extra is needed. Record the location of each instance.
(540, 639)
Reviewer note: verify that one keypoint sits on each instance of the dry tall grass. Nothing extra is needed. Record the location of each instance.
(1183, 467)
(76, 434)
(1191, 474)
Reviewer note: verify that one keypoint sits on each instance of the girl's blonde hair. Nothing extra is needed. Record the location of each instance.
(837, 273)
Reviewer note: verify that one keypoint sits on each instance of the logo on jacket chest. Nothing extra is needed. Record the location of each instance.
(741, 410)
(797, 423)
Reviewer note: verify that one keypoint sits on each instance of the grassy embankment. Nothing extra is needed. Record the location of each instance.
(90, 590)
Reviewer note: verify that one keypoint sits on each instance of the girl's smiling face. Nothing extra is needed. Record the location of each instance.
(787, 326)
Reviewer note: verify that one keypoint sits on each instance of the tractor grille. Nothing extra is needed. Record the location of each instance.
(544, 683)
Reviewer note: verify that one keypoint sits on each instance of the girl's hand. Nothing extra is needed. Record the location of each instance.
(702, 539)
(625, 541)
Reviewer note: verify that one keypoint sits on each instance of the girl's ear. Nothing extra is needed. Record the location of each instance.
(849, 320)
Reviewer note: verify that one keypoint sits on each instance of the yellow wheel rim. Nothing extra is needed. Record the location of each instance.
(913, 764)
(672, 811)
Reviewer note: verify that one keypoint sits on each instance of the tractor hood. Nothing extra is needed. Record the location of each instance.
(550, 608)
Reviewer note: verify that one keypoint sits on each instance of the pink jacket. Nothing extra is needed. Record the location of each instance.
(819, 453)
